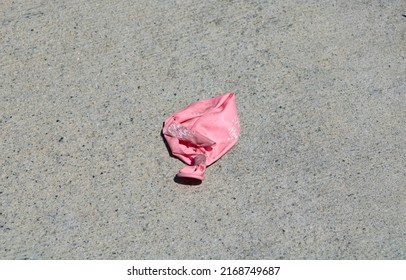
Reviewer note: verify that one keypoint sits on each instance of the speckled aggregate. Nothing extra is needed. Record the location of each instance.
(318, 172)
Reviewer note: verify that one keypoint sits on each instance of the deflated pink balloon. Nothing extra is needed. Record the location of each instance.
(202, 132)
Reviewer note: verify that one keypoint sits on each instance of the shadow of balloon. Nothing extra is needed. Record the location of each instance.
(187, 181)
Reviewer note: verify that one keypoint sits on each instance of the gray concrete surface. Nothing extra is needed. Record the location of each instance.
(318, 173)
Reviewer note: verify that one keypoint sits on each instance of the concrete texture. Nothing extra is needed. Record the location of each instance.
(318, 173)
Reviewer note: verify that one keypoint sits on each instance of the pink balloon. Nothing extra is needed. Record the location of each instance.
(202, 132)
